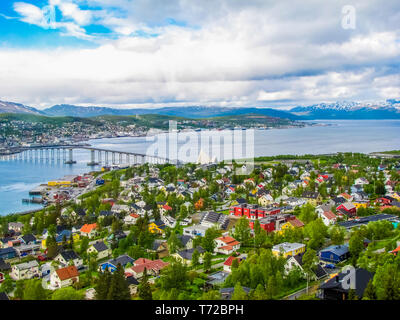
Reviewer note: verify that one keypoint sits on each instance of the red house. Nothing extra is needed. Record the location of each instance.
(347, 208)
(252, 211)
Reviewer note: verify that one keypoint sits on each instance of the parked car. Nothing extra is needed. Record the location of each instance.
(330, 266)
(42, 257)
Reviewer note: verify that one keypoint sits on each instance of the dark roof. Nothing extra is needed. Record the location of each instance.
(80, 212)
(310, 195)
(122, 260)
(4, 266)
(366, 220)
(156, 244)
(338, 250)
(7, 250)
(187, 253)
(105, 213)
(241, 200)
(132, 281)
(69, 255)
(362, 278)
(319, 271)
(100, 246)
(28, 238)
(184, 239)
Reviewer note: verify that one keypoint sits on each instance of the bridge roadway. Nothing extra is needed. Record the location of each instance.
(33, 152)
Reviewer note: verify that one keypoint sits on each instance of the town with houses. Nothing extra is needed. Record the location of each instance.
(204, 231)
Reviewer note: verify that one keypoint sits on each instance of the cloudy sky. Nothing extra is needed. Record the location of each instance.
(146, 53)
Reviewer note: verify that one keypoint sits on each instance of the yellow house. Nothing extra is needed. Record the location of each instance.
(290, 224)
(396, 195)
(58, 183)
(288, 249)
(360, 204)
(265, 200)
(157, 227)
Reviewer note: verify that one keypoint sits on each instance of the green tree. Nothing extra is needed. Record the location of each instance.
(369, 292)
(242, 230)
(119, 288)
(144, 287)
(356, 246)
(195, 258)
(207, 261)
(239, 293)
(102, 285)
(7, 286)
(310, 263)
(173, 243)
(307, 213)
(337, 234)
(208, 241)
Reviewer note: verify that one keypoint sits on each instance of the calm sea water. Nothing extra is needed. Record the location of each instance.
(19, 176)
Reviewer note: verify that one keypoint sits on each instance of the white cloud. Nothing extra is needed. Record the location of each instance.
(229, 53)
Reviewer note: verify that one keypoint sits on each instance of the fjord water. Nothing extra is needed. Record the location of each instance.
(19, 176)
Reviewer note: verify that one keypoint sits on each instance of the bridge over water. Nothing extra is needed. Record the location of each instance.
(65, 153)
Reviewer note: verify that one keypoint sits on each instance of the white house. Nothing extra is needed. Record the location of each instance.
(226, 245)
(101, 249)
(26, 270)
(64, 277)
(131, 218)
(69, 256)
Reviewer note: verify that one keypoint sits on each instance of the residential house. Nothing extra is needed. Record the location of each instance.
(313, 198)
(112, 264)
(297, 262)
(187, 241)
(328, 217)
(68, 257)
(131, 218)
(195, 230)
(153, 267)
(26, 270)
(64, 277)
(101, 249)
(15, 226)
(212, 218)
(160, 247)
(226, 245)
(334, 253)
(28, 239)
(7, 253)
(228, 263)
(89, 230)
(185, 256)
(288, 249)
(347, 208)
(168, 220)
(265, 200)
(337, 287)
(157, 227)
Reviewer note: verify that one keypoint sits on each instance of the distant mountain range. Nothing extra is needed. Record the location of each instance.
(390, 109)
(11, 107)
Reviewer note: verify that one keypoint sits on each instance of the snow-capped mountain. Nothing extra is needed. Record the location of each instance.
(389, 109)
(12, 107)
